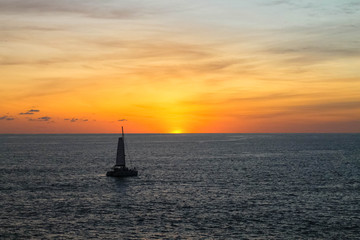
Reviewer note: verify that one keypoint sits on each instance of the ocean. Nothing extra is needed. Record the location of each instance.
(190, 186)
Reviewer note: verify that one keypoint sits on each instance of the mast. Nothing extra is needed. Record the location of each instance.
(120, 156)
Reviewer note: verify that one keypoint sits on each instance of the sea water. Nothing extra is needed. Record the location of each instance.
(190, 186)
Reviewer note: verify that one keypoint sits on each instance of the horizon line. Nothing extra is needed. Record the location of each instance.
(183, 133)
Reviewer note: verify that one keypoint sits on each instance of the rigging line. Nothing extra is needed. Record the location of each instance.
(128, 150)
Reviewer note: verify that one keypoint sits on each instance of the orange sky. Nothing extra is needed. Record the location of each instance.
(179, 66)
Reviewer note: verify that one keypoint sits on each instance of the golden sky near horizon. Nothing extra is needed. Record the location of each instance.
(179, 66)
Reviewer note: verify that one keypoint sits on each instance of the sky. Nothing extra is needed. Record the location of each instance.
(179, 66)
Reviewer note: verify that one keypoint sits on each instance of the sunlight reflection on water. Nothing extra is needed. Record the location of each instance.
(222, 186)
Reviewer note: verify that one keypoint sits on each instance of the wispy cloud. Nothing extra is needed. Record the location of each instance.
(334, 106)
(76, 119)
(153, 49)
(71, 119)
(338, 110)
(41, 87)
(41, 119)
(304, 41)
(211, 99)
(308, 45)
(44, 119)
(45, 61)
(122, 120)
(90, 8)
(316, 8)
(30, 112)
(7, 118)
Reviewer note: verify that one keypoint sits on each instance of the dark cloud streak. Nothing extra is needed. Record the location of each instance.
(76, 120)
(318, 8)
(41, 119)
(92, 9)
(30, 112)
(7, 118)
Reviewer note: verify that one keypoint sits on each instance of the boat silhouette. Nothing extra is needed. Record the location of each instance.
(120, 169)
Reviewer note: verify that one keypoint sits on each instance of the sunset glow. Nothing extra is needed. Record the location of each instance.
(176, 132)
(179, 66)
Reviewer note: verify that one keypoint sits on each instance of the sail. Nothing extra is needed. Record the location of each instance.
(120, 157)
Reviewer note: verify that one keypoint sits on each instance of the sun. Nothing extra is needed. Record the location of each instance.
(178, 131)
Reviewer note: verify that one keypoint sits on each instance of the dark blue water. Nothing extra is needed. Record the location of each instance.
(190, 186)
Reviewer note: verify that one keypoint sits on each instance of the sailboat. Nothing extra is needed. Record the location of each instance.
(120, 170)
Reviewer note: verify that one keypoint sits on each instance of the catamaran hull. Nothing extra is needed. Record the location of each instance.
(122, 173)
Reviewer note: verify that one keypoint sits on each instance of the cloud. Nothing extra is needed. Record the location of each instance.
(210, 99)
(7, 118)
(89, 8)
(306, 46)
(44, 118)
(307, 53)
(351, 7)
(330, 106)
(317, 8)
(41, 119)
(304, 40)
(122, 120)
(270, 97)
(341, 109)
(45, 61)
(131, 49)
(76, 119)
(30, 112)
